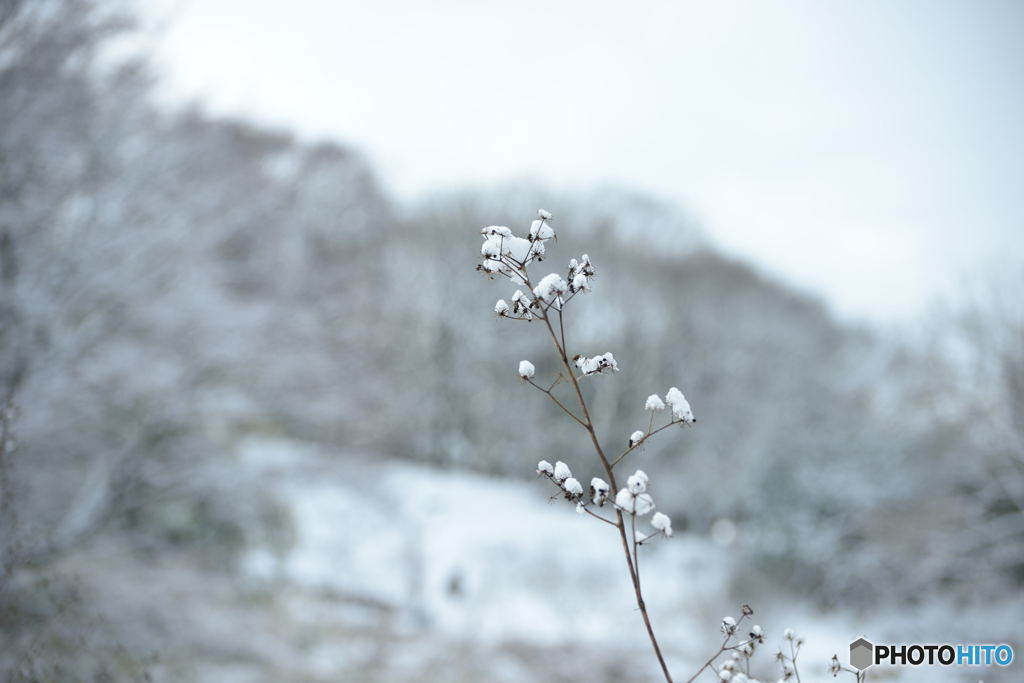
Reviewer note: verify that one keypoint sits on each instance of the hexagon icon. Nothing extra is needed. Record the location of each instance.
(861, 654)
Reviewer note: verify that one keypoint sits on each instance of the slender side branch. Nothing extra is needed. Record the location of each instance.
(557, 402)
(642, 441)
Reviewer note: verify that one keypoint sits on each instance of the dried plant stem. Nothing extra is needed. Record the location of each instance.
(558, 339)
(725, 647)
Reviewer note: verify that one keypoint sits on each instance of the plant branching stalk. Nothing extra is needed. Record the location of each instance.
(588, 424)
(725, 647)
(542, 311)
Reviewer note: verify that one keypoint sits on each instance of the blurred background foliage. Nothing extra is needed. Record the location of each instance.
(171, 283)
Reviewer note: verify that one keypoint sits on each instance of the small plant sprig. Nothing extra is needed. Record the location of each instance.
(731, 662)
(834, 668)
(545, 300)
(741, 650)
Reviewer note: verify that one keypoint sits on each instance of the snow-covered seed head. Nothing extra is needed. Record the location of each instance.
(680, 406)
(599, 490)
(639, 504)
(544, 467)
(654, 404)
(635, 438)
(526, 369)
(643, 504)
(573, 487)
(579, 283)
(585, 266)
(495, 231)
(537, 250)
(728, 626)
(540, 229)
(562, 471)
(550, 287)
(637, 482)
(597, 364)
(543, 215)
(747, 610)
(662, 523)
(725, 675)
(608, 361)
(757, 633)
(501, 308)
(788, 634)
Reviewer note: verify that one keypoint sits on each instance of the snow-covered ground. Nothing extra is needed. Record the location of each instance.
(399, 572)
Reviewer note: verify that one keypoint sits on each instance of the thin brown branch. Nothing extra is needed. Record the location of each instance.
(558, 339)
(725, 647)
(550, 395)
(642, 441)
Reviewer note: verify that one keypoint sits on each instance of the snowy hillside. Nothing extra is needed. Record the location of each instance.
(392, 570)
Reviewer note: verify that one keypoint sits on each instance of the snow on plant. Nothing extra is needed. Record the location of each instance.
(526, 369)
(545, 300)
(732, 661)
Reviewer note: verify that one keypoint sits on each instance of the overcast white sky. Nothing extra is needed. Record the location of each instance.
(871, 151)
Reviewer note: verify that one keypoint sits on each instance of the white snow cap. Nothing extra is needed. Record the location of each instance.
(599, 490)
(643, 504)
(521, 303)
(662, 522)
(637, 482)
(519, 249)
(635, 437)
(526, 369)
(573, 487)
(501, 308)
(654, 403)
(544, 215)
(562, 471)
(597, 364)
(540, 229)
(544, 467)
(680, 406)
(550, 287)
(628, 502)
(580, 283)
(496, 231)
(499, 243)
